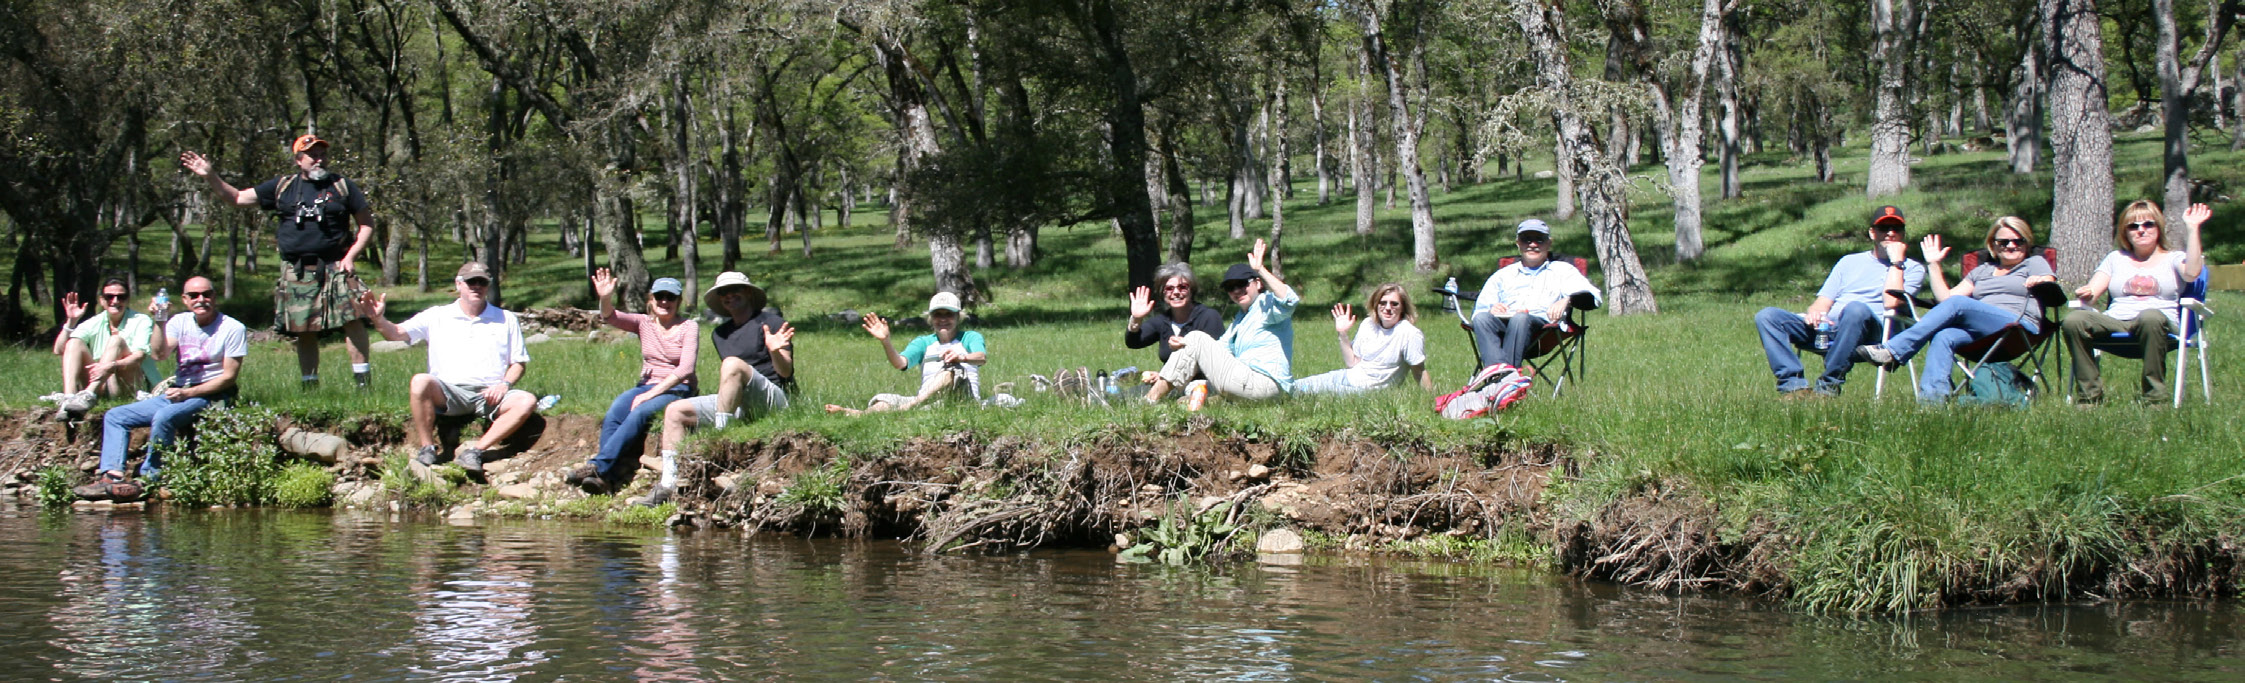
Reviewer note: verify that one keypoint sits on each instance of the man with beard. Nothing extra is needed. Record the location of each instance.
(314, 212)
(210, 346)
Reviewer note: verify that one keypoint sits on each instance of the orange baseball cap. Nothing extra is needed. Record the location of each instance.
(304, 142)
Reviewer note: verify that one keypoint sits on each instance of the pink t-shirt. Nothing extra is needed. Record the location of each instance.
(659, 352)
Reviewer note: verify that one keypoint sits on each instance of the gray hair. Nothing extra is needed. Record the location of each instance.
(1169, 271)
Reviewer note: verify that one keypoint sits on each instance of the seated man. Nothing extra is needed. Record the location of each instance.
(106, 355)
(756, 370)
(475, 358)
(1857, 283)
(210, 346)
(1522, 299)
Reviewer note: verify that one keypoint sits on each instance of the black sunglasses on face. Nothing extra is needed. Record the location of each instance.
(105, 296)
(2007, 242)
(666, 297)
(2143, 225)
(476, 282)
(203, 294)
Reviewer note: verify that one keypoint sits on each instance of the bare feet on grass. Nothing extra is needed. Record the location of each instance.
(852, 412)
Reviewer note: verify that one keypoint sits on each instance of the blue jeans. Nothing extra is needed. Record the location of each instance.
(1335, 382)
(623, 433)
(1505, 340)
(1956, 322)
(163, 418)
(1782, 331)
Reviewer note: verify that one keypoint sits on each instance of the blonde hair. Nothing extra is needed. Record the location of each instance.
(1372, 303)
(2016, 224)
(2139, 210)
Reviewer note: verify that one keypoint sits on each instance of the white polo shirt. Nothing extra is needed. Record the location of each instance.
(468, 350)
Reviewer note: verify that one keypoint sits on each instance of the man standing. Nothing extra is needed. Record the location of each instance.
(1523, 298)
(756, 372)
(314, 211)
(209, 346)
(106, 355)
(1857, 283)
(475, 358)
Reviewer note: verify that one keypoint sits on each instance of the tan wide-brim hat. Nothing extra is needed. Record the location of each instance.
(731, 279)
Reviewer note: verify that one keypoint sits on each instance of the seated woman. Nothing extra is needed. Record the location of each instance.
(1387, 348)
(949, 359)
(1992, 296)
(1181, 313)
(2149, 278)
(1255, 358)
(668, 345)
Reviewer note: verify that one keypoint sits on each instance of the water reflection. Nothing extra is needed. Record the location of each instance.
(263, 595)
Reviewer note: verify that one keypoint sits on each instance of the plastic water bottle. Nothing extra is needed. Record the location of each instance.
(1450, 287)
(1824, 335)
(163, 298)
(1114, 381)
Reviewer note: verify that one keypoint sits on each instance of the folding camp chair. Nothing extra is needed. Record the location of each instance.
(1560, 342)
(2014, 342)
(2191, 310)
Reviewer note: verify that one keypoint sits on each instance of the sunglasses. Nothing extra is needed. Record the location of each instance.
(1391, 304)
(2144, 225)
(476, 282)
(2007, 243)
(1177, 288)
(666, 297)
(201, 294)
(1532, 238)
(105, 296)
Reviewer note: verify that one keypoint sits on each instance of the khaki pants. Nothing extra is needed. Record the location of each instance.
(1227, 375)
(2150, 329)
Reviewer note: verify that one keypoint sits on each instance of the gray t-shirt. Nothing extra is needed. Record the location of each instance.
(2007, 291)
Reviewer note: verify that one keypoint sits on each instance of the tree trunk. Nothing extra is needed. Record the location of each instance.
(1407, 128)
(732, 193)
(685, 220)
(1681, 132)
(2081, 137)
(2237, 103)
(1731, 58)
(1317, 141)
(1279, 151)
(1563, 169)
(1605, 197)
(1891, 50)
(2023, 118)
(1361, 168)
(1179, 206)
(2174, 111)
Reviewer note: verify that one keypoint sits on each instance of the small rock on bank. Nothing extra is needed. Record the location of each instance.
(1279, 542)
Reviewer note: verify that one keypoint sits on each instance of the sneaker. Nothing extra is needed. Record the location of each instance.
(77, 404)
(655, 496)
(1875, 355)
(578, 474)
(470, 459)
(308, 383)
(430, 455)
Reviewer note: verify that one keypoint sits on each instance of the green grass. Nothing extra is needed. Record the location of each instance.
(1890, 501)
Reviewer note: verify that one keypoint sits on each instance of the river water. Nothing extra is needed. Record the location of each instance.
(279, 596)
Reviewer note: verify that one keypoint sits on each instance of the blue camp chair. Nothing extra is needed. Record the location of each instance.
(2191, 310)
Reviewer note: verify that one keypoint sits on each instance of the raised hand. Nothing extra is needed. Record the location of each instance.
(2196, 215)
(157, 310)
(603, 283)
(195, 163)
(1895, 251)
(776, 339)
(1931, 247)
(1255, 255)
(73, 309)
(370, 304)
(1141, 303)
(875, 326)
(1343, 318)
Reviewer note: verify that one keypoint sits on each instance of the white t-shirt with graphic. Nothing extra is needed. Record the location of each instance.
(2137, 287)
(1383, 352)
(203, 349)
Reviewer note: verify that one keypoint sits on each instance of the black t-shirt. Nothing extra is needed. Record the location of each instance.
(331, 235)
(745, 340)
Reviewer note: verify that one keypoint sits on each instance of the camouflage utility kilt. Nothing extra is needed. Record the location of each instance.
(314, 298)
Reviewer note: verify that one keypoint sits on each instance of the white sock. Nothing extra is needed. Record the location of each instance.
(314, 377)
(361, 368)
(670, 469)
(722, 419)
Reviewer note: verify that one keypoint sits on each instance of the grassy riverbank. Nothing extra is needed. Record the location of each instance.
(1676, 436)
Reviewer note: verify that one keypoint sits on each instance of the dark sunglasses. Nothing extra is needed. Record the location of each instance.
(1391, 304)
(2143, 225)
(2008, 242)
(665, 297)
(1533, 238)
(477, 282)
(201, 294)
(105, 296)
(1177, 288)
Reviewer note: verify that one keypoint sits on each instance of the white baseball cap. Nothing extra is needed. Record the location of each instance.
(943, 301)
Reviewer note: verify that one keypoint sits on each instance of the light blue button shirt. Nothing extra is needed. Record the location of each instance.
(1861, 277)
(1263, 337)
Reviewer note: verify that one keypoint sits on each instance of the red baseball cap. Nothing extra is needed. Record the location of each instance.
(1887, 214)
(304, 142)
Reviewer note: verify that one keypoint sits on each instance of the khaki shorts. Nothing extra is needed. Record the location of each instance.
(314, 298)
(467, 399)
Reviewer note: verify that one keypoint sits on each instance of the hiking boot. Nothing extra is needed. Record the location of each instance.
(655, 496)
(596, 485)
(470, 459)
(1876, 355)
(578, 474)
(429, 455)
(110, 486)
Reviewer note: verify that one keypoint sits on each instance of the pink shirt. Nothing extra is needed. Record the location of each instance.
(659, 353)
